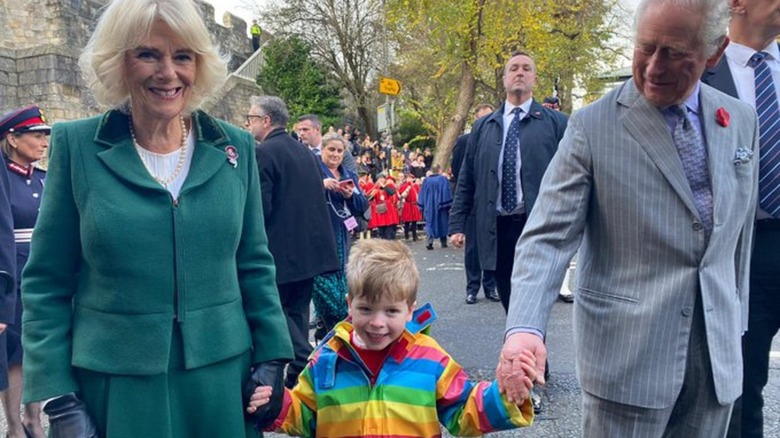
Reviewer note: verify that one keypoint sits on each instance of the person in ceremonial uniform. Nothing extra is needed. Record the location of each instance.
(24, 139)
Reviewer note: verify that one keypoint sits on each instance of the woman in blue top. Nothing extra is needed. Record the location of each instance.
(345, 203)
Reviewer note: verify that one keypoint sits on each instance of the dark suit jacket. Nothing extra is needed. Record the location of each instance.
(720, 77)
(477, 187)
(300, 236)
(458, 152)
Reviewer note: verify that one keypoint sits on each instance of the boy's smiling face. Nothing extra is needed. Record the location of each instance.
(377, 325)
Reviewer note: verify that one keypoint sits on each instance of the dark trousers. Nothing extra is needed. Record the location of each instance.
(255, 42)
(508, 229)
(387, 232)
(475, 276)
(410, 227)
(442, 240)
(296, 298)
(763, 323)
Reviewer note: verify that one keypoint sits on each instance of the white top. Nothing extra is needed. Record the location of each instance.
(163, 165)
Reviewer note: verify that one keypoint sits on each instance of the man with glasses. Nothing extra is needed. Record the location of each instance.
(300, 236)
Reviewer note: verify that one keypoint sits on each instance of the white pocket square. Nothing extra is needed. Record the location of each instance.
(743, 156)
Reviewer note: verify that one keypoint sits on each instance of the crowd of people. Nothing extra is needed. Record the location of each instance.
(376, 157)
(160, 285)
(389, 177)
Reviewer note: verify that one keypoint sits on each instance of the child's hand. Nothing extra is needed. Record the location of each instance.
(528, 363)
(260, 397)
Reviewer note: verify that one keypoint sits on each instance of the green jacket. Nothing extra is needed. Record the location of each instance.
(115, 263)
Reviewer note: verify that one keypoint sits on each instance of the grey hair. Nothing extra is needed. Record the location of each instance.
(273, 107)
(715, 19)
(122, 27)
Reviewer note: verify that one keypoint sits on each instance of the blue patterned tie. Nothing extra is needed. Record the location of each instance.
(769, 136)
(509, 165)
(693, 156)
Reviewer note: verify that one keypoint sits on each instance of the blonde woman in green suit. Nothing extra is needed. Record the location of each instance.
(150, 297)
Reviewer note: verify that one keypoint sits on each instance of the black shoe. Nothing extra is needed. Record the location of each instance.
(429, 246)
(471, 299)
(493, 296)
(566, 298)
(320, 332)
(536, 401)
(444, 244)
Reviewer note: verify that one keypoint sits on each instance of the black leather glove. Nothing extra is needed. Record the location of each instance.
(271, 374)
(68, 418)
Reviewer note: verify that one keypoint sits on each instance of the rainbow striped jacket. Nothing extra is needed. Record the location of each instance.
(418, 387)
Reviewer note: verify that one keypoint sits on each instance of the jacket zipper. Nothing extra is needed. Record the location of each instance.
(177, 308)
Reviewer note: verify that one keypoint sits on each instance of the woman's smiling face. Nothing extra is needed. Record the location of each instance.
(160, 73)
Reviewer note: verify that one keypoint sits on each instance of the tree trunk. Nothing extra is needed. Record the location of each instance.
(564, 86)
(454, 127)
(367, 116)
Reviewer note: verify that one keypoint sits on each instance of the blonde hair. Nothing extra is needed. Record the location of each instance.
(122, 27)
(382, 269)
(5, 145)
(333, 136)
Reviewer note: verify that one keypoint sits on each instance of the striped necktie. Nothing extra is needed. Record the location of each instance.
(769, 136)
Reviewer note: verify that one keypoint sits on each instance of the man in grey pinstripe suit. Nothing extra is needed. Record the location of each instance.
(662, 278)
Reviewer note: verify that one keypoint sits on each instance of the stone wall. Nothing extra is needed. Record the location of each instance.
(41, 42)
(232, 101)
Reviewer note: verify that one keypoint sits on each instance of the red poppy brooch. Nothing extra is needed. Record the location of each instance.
(723, 117)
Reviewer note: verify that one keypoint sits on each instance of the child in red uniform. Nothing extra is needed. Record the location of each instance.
(410, 211)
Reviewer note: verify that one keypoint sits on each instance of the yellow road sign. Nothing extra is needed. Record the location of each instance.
(389, 86)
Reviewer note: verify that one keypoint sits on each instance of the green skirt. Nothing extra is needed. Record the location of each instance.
(201, 402)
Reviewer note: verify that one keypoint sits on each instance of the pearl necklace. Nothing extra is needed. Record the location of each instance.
(182, 154)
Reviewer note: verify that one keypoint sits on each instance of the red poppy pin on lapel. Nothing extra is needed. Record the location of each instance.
(723, 117)
(232, 155)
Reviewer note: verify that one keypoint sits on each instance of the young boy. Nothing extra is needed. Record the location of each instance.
(377, 374)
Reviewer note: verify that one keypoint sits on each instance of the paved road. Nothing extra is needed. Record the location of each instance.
(473, 334)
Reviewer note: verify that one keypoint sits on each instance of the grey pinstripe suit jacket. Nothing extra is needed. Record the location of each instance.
(617, 187)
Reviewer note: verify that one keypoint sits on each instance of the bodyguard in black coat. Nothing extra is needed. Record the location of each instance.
(478, 183)
(300, 236)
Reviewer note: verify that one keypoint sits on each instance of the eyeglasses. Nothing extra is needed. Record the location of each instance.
(250, 116)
